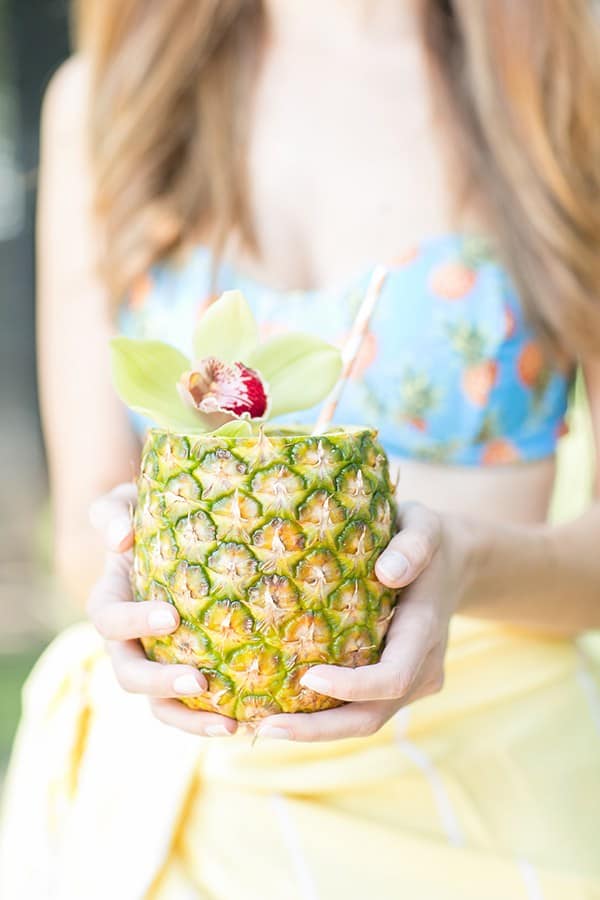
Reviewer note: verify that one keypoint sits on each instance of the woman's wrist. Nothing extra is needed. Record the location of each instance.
(467, 545)
(508, 573)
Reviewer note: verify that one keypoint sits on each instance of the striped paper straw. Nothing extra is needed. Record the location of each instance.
(352, 346)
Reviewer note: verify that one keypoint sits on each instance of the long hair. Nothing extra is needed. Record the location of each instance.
(170, 94)
(517, 85)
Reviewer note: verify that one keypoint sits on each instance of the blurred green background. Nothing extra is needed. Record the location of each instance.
(33, 42)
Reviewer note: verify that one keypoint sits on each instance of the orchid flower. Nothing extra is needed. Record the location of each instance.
(233, 378)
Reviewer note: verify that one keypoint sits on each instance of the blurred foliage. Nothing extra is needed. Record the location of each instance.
(33, 42)
(573, 488)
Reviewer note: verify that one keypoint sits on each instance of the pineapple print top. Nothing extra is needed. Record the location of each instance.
(450, 370)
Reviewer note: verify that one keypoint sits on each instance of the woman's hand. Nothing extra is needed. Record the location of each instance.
(121, 621)
(425, 556)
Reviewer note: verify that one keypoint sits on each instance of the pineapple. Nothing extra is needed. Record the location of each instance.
(266, 545)
(264, 538)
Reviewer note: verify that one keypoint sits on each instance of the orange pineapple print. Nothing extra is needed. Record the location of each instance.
(533, 370)
(454, 279)
(418, 396)
(499, 451)
(480, 372)
(478, 381)
(530, 364)
(496, 449)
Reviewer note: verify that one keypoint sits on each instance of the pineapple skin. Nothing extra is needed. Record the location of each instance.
(266, 545)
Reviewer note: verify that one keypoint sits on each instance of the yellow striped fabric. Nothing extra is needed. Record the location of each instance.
(487, 791)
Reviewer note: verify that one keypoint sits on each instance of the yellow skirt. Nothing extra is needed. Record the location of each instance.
(487, 791)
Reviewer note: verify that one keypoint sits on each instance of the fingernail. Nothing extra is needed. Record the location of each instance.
(273, 732)
(316, 683)
(161, 620)
(118, 530)
(187, 684)
(217, 731)
(393, 566)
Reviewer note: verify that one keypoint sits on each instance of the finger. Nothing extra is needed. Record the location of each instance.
(412, 549)
(430, 677)
(117, 617)
(408, 642)
(354, 719)
(114, 586)
(207, 724)
(103, 508)
(351, 720)
(111, 516)
(138, 675)
(127, 620)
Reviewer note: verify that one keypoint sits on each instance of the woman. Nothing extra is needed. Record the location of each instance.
(282, 152)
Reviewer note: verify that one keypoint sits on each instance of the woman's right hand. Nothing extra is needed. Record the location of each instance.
(122, 621)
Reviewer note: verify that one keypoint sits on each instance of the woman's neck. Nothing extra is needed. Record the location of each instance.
(337, 21)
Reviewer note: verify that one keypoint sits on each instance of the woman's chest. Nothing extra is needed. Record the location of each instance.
(343, 167)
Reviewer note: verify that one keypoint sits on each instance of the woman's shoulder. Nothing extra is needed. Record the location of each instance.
(66, 98)
(65, 179)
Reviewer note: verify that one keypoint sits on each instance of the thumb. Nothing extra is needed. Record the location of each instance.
(412, 549)
(111, 516)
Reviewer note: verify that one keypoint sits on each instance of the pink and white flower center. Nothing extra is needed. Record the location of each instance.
(228, 388)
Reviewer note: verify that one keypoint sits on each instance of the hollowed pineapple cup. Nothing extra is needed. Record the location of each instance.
(267, 546)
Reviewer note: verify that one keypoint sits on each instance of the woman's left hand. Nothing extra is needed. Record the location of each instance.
(424, 559)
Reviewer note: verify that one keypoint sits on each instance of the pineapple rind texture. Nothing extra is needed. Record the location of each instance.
(266, 545)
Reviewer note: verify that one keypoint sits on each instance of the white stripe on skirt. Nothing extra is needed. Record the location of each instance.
(422, 761)
(291, 839)
(530, 880)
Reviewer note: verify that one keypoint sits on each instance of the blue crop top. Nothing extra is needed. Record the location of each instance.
(450, 371)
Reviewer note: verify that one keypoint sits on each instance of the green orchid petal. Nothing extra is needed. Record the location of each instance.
(237, 428)
(300, 371)
(227, 330)
(145, 375)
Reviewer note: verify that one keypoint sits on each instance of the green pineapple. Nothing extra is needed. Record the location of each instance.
(264, 538)
(266, 545)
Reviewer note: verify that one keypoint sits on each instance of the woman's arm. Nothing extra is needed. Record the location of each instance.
(89, 442)
(546, 577)
(91, 446)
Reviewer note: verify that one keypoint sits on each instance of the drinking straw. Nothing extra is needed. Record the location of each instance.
(352, 346)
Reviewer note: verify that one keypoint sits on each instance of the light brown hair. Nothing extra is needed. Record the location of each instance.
(517, 84)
